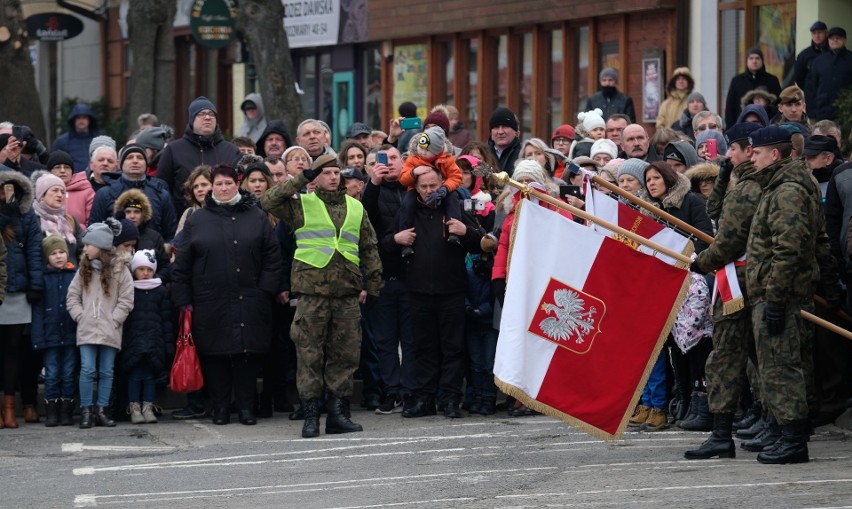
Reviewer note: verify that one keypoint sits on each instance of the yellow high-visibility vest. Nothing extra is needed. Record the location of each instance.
(318, 239)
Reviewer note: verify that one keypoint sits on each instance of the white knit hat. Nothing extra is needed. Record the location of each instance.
(592, 119)
(530, 168)
(144, 258)
(604, 146)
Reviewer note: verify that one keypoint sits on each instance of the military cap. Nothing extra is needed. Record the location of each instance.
(791, 94)
(324, 161)
(817, 144)
(771, 135)
(838, 31)
(740, 132)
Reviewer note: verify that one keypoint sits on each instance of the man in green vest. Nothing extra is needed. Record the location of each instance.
(335, 267)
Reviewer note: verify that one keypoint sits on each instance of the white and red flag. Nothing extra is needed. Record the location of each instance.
(614, 211)
(582, 324)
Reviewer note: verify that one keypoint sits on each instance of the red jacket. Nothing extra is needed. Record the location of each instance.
(445, 163)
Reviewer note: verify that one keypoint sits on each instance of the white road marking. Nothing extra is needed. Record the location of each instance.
(89, 500)
(79, 447)
(397, 504)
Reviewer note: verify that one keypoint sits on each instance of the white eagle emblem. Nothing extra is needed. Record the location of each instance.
(570, 317)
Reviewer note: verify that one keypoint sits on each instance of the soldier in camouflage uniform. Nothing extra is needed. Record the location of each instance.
(328, 281)
(786, 241)
(732, 336)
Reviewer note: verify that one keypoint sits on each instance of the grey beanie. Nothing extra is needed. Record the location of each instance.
(433, 140)
(608, 72)
(721, 143)
(100, 141)
(154, 138)
(635, 168)
(696, 96)
(101, 235)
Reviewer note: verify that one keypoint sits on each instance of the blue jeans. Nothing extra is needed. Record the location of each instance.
(654, 395)
(141, 385)
(98, 359)
(481, 347)
(59, 364)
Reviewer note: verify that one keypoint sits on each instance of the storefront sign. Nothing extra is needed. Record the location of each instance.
(311, 22)
(213, 22)
(53, 26)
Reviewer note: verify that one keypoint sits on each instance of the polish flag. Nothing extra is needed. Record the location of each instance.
(582, 324)
(614, 211)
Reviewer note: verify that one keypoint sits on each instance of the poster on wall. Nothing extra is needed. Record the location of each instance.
(409, 75)
(652, 87)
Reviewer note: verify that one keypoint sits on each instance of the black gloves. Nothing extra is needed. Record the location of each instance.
(773, 316)
(725, 169)
(499, 288)
(437, 197)
(34, 296)
(311, 174)
(694, 267)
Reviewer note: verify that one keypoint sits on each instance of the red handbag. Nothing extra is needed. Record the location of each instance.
(186, 369)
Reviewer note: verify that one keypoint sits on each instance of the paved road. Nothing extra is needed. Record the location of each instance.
(474, 462)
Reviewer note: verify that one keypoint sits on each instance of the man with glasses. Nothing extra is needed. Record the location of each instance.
(704, 120)
(202, 143)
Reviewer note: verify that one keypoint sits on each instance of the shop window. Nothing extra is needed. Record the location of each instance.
(732, 51)
(776, 35)
(554, 92)
(326, 91)
(608, 57)
(527, 59)
(581, 76)
(372, 87)
(308, 84)
(472, 77)
(501, 99)
(410, 78)
(449, 72)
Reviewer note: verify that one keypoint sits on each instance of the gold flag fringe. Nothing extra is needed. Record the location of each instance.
(733, 306)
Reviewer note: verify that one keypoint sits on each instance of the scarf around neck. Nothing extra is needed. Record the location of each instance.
(54, 222)
(147, 284)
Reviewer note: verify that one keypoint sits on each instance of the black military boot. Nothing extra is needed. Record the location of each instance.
(756, 428)
(337, 421)
(101, 418)
(687, 407)
(66, 412)
(52, 419)
(86, 417)
(752, 415)
(702, 419)
(310, 409)
(720, 442)
(793, 446)
(766, 438)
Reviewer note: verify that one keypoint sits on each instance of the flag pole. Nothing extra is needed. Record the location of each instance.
(503, 179)
(707, 238)
(682, 225)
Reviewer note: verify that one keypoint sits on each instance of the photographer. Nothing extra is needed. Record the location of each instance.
(19, 144)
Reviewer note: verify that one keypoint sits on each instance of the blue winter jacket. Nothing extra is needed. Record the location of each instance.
(21, 231)
(77, 144)
(164, 220)
(52, 325)
(479, 298)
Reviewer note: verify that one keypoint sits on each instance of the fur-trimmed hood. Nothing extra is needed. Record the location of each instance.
(681, 71)
(702, 171)
(758, 92)
(133, 196)
(23, 189)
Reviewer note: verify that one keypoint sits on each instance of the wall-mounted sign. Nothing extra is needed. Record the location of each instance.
(213, 22)
(53, 26)
(311, 22)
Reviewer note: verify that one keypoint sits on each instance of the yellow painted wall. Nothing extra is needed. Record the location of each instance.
(831, 12)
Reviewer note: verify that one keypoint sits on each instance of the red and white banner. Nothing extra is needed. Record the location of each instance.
(583, 323)
(614, 211)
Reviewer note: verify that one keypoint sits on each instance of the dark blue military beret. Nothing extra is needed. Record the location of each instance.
(740, 132)
(771, 135)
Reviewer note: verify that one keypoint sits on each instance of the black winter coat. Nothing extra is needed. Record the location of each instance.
(437, 267)
(147, 331)
(382, 204)
(802, 69)
(24, 264)
(164, 219)
(507, 158)
(181, 156)
(741, 84)
(52, 326)
(619, 103)
(831, 73)
(228, 268)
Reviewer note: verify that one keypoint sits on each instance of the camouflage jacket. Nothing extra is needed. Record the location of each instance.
(788, 250)
(737, 207)
(340, 277)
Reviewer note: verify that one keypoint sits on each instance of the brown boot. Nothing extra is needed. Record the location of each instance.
(9, 420)
(30, 413)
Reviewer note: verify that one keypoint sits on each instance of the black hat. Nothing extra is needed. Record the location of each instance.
(357, 129)
(837, 31)
(129, 149)
(672, 152)
(772, 135)
(740, 132)
(257, 166)
(407, 109)
(353, 173)
(58, 157)
(819, 25)
(817, 144)
(505, 117)
(128, 232)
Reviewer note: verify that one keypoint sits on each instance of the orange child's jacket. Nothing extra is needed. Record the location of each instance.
(445, 163)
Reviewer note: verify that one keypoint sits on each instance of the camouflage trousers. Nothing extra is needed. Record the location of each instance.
(726, 366)
(780, 363)
(327, 335)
